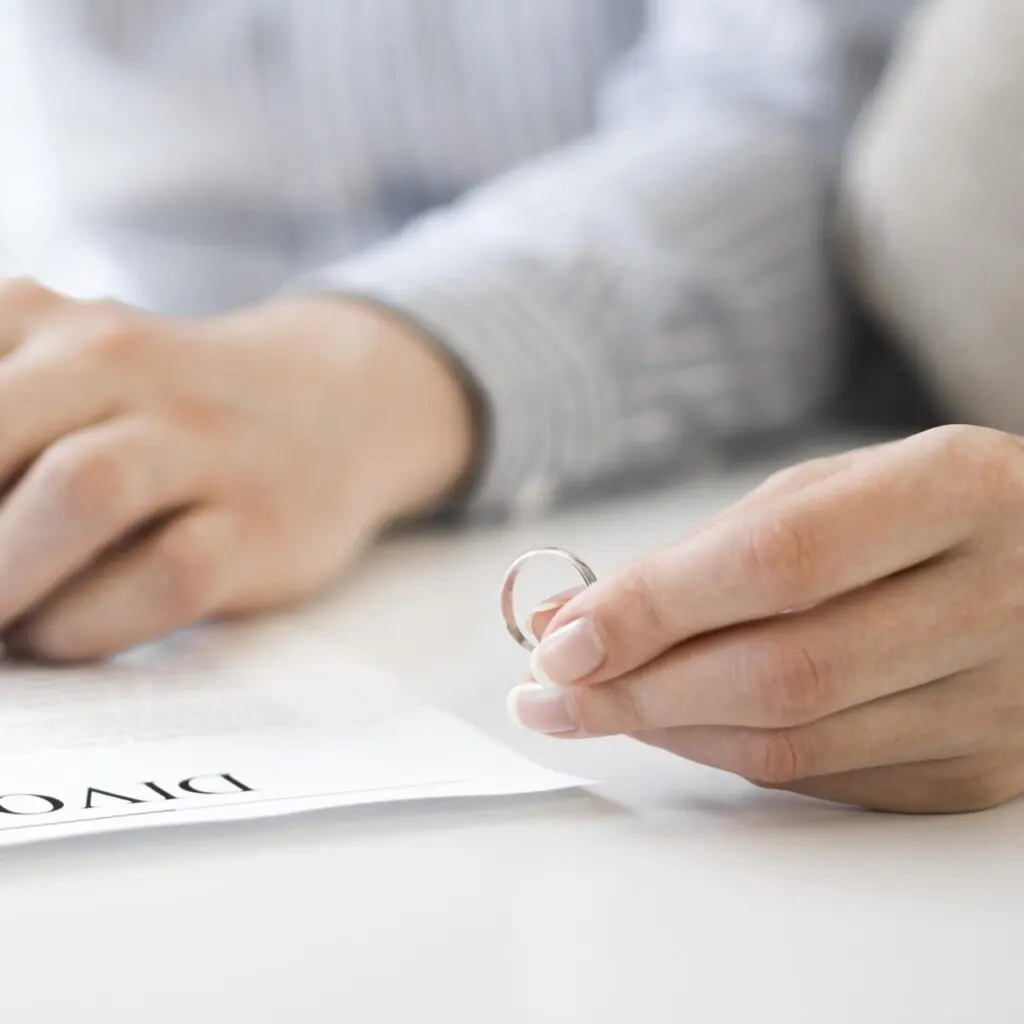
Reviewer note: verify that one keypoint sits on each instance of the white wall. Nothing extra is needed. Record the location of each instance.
(8, 136)
(22, 204)
(5, 184)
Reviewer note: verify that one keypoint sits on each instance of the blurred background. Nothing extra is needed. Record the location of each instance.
(8, 143)
(5, 183)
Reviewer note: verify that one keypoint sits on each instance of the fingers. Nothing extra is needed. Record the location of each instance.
(956, 717)
(840, 533)
(793, 479)
(42, 399)
(784, 482)
(84, 494)
(898, 635)
(174, 578)
(23, 304)
(958, 786)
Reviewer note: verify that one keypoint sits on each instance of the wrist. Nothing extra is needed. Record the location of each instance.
(424, 417)
(405, 421)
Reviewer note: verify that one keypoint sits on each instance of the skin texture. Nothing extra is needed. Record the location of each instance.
(852, 630)
(159, 472)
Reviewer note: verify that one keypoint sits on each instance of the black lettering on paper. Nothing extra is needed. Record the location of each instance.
(52, 803)
(92, 792)
(189, 785)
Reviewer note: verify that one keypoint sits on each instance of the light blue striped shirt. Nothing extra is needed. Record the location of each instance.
(612, 213)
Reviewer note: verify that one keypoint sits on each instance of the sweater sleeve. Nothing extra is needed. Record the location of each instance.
(654, 290)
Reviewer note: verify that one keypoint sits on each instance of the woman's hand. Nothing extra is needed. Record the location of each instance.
(158, 472)
(852, 630)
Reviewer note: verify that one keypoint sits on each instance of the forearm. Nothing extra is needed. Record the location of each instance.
(628, 303)
(652, 290)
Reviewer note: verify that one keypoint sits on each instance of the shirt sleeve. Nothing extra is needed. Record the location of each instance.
(628, 303)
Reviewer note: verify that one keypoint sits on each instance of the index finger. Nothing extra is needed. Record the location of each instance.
(23, 302)
(787, 481)
(892, 509)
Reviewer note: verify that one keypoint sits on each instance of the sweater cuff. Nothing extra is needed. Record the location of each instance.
(545, 416)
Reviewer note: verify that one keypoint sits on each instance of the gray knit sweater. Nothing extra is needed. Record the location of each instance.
(610, 212)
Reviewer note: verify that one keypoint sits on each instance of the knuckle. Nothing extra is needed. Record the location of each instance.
(187, 571)
(641, 604)
(780, 481)
(957, 440)
(795, 476)
(999, 463)
(22, 291)
(609, 709)
(989, 458)
(776, 759)
(782, 477)
(592, 718)
(114, 337)
(84, 485)
(781, 559)
(792, 682)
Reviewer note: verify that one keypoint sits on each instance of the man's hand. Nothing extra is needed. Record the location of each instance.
(158, 472)
(853, 630)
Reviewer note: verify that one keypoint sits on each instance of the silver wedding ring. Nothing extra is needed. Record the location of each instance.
(508, 587)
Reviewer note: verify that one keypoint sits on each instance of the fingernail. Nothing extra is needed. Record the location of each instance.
(542, 615)
(568, 655)
(542, 708)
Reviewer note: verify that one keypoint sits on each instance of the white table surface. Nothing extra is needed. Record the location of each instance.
(667, 893)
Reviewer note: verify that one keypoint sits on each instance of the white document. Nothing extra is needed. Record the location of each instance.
(225, 724)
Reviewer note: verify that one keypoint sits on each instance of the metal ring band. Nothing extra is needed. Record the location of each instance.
(508, 586)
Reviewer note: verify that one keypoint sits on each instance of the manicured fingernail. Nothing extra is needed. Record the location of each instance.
(542, 615)
(568, 655)
(542, 708)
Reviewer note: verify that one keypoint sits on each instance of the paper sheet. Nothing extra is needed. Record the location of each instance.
(230, 723)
